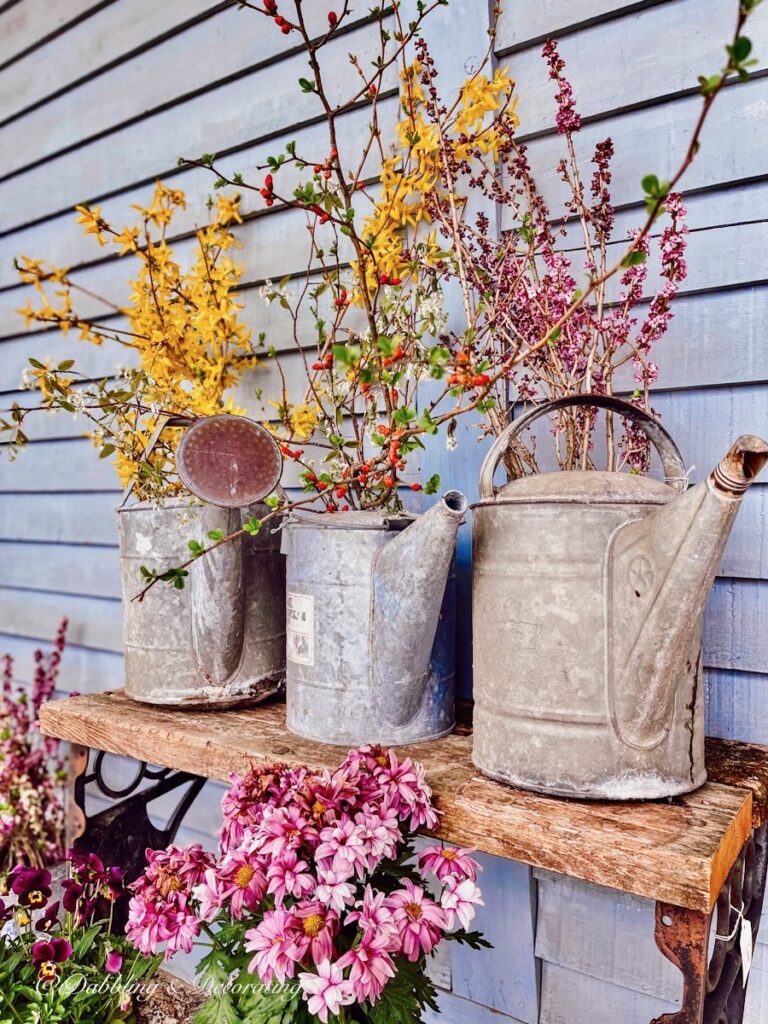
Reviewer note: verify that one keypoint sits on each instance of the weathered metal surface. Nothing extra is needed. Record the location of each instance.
(588, 593)
(369, 652)
(221, 640)
(682, 936)
(229, 460)
(707, 949)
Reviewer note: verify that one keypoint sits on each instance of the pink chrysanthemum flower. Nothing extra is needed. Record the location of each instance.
(316, 928)
(343, 849)
(210, 895)
(448, 860)
(380, 832)
(326, 991)
(459, 898)
(272, 942)
(374, 916)
(289, 876)
(244, 881)
(418, 919)
(370, 965)
(285, 828)
(408, 792)
(334, 891)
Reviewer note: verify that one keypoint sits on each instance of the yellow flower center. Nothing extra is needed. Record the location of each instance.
(244, 876)
(313, 925)
(48, 970)
(449, 854)
(318, 808)
(381, 761)
(413, 910)
(35, 898)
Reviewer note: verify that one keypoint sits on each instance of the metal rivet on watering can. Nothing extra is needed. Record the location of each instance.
(221, 640)
(371, 624)
(588, 594)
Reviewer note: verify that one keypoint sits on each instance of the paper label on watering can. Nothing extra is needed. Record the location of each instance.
(300, 628)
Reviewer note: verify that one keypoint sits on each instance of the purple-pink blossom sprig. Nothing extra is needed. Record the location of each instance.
(31, 767)
(313, 873)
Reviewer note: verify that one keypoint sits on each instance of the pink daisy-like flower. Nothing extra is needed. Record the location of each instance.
(459, 898)
(408, 791)
(243, 881)
(317, 926)
(448, 860)
(185, 928)
(370, 965)
(289, 876)
(380, 832)
(285, 828)
(334, 891)
(326, 991)
(210, 895)
(272, 942)
(374, 916)
(418, 919)
(344, 848)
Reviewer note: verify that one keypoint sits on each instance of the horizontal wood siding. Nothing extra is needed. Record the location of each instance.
(597, 951)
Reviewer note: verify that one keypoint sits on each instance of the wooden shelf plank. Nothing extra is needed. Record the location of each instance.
(676, 851)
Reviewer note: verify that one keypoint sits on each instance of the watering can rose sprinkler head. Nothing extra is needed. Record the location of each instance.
(736, 471)
(229, 461)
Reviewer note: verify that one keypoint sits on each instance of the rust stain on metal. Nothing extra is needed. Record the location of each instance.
(682, 937)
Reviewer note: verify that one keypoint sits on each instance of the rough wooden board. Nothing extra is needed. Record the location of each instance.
(732, 763)
(679, 852)
(572, 998)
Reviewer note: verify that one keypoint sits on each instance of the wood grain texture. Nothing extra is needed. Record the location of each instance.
(679, 852)
(604, 934)
(572, 998)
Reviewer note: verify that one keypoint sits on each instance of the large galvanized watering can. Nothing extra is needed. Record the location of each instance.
(221, 640)
(588, 594)
(370, 636)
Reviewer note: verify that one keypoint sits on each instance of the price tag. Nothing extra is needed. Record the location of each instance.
(746, 945)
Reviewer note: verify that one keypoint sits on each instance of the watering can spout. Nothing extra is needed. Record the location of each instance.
(409, 579)
(746, 457)
(659, 574)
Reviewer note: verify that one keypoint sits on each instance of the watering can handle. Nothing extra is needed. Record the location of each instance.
(671, 459)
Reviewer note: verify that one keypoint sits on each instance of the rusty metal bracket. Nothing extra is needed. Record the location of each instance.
(682, 936)
(121, 833)
(710, 958)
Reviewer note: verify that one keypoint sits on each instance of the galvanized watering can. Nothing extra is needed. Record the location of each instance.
(370, 637)
(588, 594)
(221, 640)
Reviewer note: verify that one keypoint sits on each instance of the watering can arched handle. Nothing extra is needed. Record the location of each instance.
(671, 459)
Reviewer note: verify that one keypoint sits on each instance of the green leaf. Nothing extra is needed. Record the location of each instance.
(272, 501)
(253, 526)
(106, 451)
(432, 485)
(220, 1009)
(634, 259)
(66, 364)
(215, 535)
(741, 49)
(650, 183)
(307, 85)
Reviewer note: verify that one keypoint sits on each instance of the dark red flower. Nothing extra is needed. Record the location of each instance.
(48, 955)
(32, 886)
(49, 919)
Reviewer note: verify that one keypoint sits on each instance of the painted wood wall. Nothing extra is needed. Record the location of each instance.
(97, 100)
